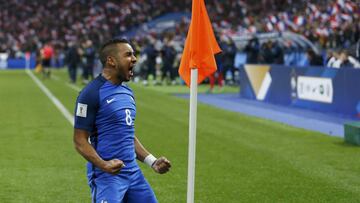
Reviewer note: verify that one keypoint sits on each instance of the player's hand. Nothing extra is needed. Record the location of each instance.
(113, 166)
(161, 165)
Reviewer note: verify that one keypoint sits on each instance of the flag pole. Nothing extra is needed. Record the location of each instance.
(192, 135)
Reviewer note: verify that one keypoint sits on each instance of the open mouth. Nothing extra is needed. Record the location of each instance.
(131, 71)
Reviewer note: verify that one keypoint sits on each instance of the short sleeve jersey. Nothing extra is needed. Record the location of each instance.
(107, 112)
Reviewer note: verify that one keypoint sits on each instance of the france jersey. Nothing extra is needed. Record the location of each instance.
(107, 112)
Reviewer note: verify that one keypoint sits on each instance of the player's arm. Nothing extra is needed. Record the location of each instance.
(88, 152)
(160, 165)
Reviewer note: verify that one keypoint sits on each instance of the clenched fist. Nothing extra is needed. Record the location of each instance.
(113, 166)
(161, 165)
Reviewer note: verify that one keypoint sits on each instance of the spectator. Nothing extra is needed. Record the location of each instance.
(168, 53)
(314, 59)
(89, 55)
(228, 57)
(266, 53)
(278, 53)
(348, 61)
(333, 59)
(358, 50)
(328, 24)
(72, 61)
(151, 55)
(252, 50)
(272, 53)
(218, 75)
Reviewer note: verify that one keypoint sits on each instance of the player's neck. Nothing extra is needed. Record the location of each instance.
(110, 75)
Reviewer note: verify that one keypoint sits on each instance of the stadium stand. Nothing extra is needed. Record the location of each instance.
(327, 24)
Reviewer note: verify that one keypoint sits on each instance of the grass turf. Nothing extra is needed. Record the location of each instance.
(239, 158)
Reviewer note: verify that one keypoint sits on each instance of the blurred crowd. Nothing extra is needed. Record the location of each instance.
(71, 27)
(28, 25)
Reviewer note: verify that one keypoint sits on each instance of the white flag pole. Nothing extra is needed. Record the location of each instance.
(192, 135)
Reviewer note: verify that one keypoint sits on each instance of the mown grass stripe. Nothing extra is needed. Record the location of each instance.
(55, 100)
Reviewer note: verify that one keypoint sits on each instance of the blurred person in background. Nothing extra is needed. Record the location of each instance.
(150, 62)
(252, 50)
(278, 53)
(313, 58)
(158, 68)
(169, 54)
(105, 115)
(228, 51)
(217, 75)
(358, 50)
(333, 60)
(89, 61)
(73, 60)
(47, 53)
(348, 61)
(266, 53)
(271, 53)
(38, 62)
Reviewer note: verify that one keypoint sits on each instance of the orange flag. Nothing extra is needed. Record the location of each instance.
(200, 46)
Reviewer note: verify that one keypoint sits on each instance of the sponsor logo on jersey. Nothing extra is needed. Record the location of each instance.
(110, 100)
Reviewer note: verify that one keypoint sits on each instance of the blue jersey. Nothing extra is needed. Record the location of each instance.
(107, 112)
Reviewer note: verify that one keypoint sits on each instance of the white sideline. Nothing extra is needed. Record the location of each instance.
(55, 77)
(55, 100)
(74, 87)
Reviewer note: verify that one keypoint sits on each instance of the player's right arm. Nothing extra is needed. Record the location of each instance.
(88, 152)
(85, 116)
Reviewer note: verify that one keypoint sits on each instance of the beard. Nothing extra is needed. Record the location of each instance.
(122, 77)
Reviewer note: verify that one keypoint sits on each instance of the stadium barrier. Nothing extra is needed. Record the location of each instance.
(329, 90)
(20, 63)
(16, 63)
(352, 133)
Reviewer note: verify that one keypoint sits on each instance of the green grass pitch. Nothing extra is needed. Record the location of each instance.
(239, 158)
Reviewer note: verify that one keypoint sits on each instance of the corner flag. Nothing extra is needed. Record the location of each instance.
(198, 57)
(200, 46)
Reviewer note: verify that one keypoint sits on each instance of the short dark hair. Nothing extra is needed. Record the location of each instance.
(108, 48)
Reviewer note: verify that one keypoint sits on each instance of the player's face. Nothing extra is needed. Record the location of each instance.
(125, 62)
